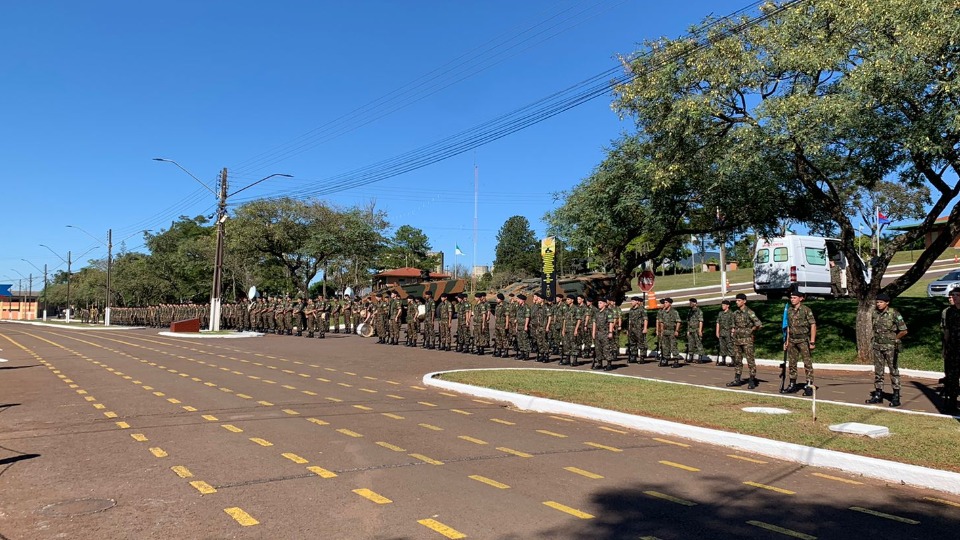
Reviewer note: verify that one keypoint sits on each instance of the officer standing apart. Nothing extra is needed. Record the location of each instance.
(695, 334)
(888, 329)
(950, 323)
(745, 323)
(725, 333)
(801, 339)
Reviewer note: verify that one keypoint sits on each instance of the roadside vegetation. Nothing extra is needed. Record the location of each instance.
(920, 440)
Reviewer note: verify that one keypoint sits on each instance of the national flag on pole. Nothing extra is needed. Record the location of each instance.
(457, 251)
(882, 219)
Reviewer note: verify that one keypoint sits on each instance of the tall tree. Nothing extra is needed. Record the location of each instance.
(409, 246)
(518, 250)
(846, 106)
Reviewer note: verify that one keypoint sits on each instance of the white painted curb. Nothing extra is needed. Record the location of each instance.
(880, 469)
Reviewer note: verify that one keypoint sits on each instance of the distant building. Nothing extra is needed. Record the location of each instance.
(19, 306)
(405, 276)
(439, 256)
(939, 227)
(480, 270)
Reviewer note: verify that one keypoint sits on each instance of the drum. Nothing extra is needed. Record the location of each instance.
(421, 312)
(365, 330)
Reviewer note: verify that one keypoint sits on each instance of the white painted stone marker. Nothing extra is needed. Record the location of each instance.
(856, 428)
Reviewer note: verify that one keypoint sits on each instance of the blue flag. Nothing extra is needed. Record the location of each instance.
(785, 321)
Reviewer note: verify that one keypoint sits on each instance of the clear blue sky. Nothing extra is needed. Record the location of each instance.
(91, 91)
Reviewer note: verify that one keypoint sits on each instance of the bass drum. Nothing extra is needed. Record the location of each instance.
(421, 312)
(365, 330)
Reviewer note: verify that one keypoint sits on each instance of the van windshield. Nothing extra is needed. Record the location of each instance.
(815, 256)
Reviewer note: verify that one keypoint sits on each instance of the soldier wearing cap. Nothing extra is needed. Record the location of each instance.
(745, 323)
(463, 323)
(888, 329)
(668, 330)
(695, 351)
(429, 320)
(636, 331)
(445, 316)
(950, 324)
(500, 344)
(568, 340)
(603, 334)
(801, 339)
(394, 312)
(522, 325)
(724, 332)
(479, 321)
(539, 327)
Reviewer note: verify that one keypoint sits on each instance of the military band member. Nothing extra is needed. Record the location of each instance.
(888, 329)
(745, 324)
(801, 340)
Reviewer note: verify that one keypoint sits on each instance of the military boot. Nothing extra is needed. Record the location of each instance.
(792, 389)
(875, 397)
(752, 384)
(676, 363)
(808, 390)
(736, 381)
(895, 401)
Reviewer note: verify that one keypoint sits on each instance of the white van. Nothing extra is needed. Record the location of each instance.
(803, 262)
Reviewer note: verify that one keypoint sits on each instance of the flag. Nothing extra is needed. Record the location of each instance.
(786, 319)
(882, 219)
(457, 251)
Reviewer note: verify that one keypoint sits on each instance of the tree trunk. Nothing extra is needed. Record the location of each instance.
(864, 327)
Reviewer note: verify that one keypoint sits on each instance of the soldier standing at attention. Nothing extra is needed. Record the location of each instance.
(445, 315)
(888, 329)
(299, 317)
(801, 339)
(479, 320)
(950, 323)
(603, 332)
(394, 310)
(347, 310)
(429, 320)
(539, 327)
(568, 314)
(636, 331)
(695, 334)
(523, 316)
(725, 333)
(500, 328)
(745, 323)
(668, 330)
(463, 325)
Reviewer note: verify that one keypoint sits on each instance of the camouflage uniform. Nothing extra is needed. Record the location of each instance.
(413, 321)
(745, 322)
(445, 310)
(800, 320)
(393, 320)
(636, 333)
(480, 331)
(500, 345)
(429, 322)
(725, 335)
(603, 333)
(568, 315)
(887, 324)
(539, 331)
(523, 328)
(463, 327)
(695, 334)
(668, 323)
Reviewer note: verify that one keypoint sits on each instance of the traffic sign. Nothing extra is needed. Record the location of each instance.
(5, 290)
(645, 281)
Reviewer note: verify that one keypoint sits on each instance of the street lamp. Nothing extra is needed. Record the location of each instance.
(44, 285)
(221, 218)
(109, 246)
(69, 261)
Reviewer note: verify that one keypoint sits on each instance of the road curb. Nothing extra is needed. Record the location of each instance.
(879, 469)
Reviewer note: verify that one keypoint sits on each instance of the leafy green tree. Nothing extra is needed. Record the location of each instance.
(408, 247)
(844, 106)
(518, 250)
(181, 257)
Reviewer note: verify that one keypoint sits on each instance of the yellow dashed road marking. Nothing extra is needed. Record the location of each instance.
(389, 446)
(123, 425)
(241, 517)
(743, 458)
(318, 421)
(448, 394)
(265, 403)
(482, 401)
(771, 488)
(99, 406)
(514, 452)
(670, 498)
(294, 458)
(428, 426)
(426, 404)
(838, 479)
(418, 387)
(458, 411)
(345, 385)
(321, 472)
(290, 411)
(552, 434)
(349, 433)
(884, 515)
(566, 509)
(289, 387)
(471, 439)
(603, 447)
(309, 393)
(333, 399)
(391, 415)
(488, 481)
(181, 471)
(369, 391)
(504, 422)
(158, 452)
(445, 530)
(942, 501)
(563, 419)
(425, 459)
(139, 437)
(394, 396)
(110, 414)
(679, 466)
(261, 442)
(232, 428)
(582, 472)
(90, 398)
(244, 396)
(665, 441)
(189, 408)
(372, 496)
(209, 417)
(781, 530)
(175, 401)
(362, 407)
(393, 382)
(321, 379)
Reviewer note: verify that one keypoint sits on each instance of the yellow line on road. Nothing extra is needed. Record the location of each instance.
(566, 509)
(482, 401)
(389, 446)
(363, 407)
(488, 481)
(394, 416)
(139, 437)
(345, 385)
(90, 398)
(445, 530)
(321, 379)
(679, 466)
(291, 372)
(181, 471)
(265, 403)
(99, 406)
(110, 414)
(448, 394)
(514, 452)
(838, 479)
(504, 422)
(428, 426)
(318, 421)
(458, 411)
(227, 390)
(321, 472)
(349, 373)
(666, 441)
(670, 498)
(552, 434)
(241, 517)
(261, 442)
(369, 391)
(471, 439)
(372, 496)
(159, 394)
(290, 411)
(562, 418)
(209, 417)
(781, 530)
(309, 393)
(942, 501)
(884, 515)
(417, 387)
(425, 459)
(743, 458)
(369, 378)
(289, 387)
(582, 472)
(613, 430)
(232, 428)
(188, 408)
(771, 488)
(158, 452)
(244, 396)
(394, 396)
(210, 384)
(81, 392)
(603, 447)
(333, 399)
(392, 382)
(123, 425)
(254, 377)
(268, 381)
(175, 401)
(426, 404)
(349, 433)
(294, 458)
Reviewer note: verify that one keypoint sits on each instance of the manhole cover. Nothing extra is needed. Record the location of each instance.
(78, 507)
(766, 410)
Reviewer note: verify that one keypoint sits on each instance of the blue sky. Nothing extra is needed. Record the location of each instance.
(92, 91)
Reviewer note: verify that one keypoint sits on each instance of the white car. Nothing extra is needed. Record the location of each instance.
(943, 285)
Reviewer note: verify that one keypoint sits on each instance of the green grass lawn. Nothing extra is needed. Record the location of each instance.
(921, 440)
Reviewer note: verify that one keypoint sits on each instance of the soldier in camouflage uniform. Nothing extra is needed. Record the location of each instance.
(603, 332)
(299, 318)
(394, 312)
(636, 331)
(462, 309)
(668, 330)
(500, 345)
(479, 323)
(310, 317)
(413, 320)
(888, 329)
(522, 326)
(429, 321)
(724, 333)
(745, 323)
(801, 339)
(950, 324)
(539, 327)
(347, 311)
(568, 342)
(445, 316)
(695, 351)
(556, 323)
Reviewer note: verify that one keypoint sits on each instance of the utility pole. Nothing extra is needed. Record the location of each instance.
(69, 262)
(218, 260)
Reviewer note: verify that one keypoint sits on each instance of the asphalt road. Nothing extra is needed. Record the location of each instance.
(128, 434)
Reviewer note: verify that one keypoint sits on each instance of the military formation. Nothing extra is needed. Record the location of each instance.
(571, 329)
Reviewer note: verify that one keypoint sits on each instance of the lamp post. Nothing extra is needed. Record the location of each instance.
(69, 261)
(44, 285)
(109, 246)
(221, 218)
